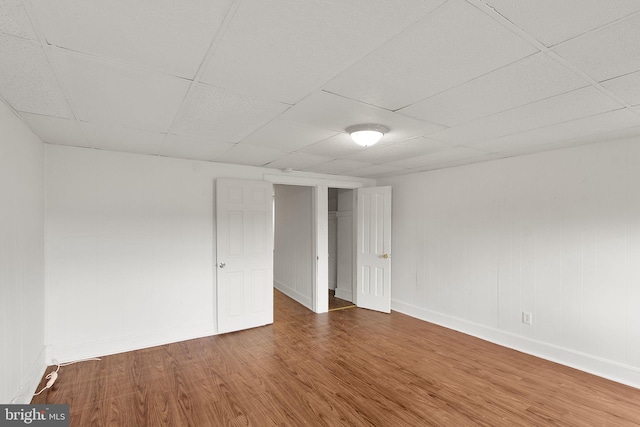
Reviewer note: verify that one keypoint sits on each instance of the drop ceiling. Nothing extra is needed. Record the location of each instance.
(275, 83)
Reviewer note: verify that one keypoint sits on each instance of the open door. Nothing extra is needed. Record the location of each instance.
(244, 246)
(373, 249)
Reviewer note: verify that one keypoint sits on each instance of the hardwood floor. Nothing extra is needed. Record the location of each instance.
(348, 367)
(338, 303)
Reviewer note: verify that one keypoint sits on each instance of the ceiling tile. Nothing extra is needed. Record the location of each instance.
(224, 115)
(245, 154)
(454, 44)
(104, 92)
(298, 161)
(336, 146)
(568, 106)
(338, 166)
(27, 80)
(528, 80)
(553, 21)
(606, 53)
(14, 20)
(442, 156)
(169, 36)
(120, 139)
(580, 128)
(399, 150)
(626, 87)
(372, 171)
(283, 50)
(458, 162)
(287, 136)
(394, 173)
(336, 113)
(193, 148)
(612, 135)
(54, 130)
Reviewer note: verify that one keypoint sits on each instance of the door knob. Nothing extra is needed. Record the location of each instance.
(222, 264)
(385, 256)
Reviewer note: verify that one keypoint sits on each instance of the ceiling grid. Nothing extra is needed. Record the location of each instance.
(276, 84)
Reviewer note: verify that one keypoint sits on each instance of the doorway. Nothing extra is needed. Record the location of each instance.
(295, 249)
(341, 237)
(371, 222)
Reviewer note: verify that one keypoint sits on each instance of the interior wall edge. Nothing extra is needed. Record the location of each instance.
(293, 294)
(31, 379)
(71, 353)
(611, 370)
(22, 294)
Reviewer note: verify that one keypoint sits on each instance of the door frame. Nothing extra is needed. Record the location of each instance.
(320, 196)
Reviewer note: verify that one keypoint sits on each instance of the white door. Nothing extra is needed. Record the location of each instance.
(373, 249)
(244, 246)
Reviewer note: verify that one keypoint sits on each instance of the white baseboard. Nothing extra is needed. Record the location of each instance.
(293, 294)
(62, 354)
(611, 370)
(31, 380)
(345, 295)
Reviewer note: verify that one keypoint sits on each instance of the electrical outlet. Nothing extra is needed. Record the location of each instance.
(527, 318)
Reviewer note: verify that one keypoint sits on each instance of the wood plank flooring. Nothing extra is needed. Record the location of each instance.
(349, 367)
(338, 303)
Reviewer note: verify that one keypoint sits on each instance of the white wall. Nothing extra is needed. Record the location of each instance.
(22, 349)
(293, 244)
(556, 234)
(130, 248)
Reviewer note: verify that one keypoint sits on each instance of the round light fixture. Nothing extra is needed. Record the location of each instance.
(366, 135)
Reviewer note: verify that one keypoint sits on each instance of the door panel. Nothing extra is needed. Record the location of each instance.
(244, 246)
(373, 249)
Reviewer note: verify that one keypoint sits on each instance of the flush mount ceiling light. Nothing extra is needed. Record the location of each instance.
(366, 135)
